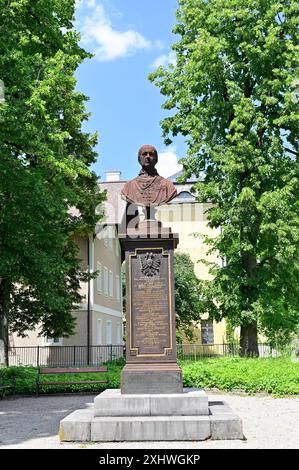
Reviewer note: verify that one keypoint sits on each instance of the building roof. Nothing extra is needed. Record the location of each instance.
(175, 176)
(184, 196)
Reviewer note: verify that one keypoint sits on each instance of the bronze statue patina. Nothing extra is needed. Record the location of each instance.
(148, 188)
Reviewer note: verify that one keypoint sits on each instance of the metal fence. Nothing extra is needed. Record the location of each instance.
(64, 356)
(197, 351)
(68, 356)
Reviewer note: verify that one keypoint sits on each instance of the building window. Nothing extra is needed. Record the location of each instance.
(108, 332)
(207, 332)
(111, 282)
(118, 333)
(53, 341)
(99, 277)
(106, 292)
(105, 236)
(117, 288)
(99, 332)
(110, 238)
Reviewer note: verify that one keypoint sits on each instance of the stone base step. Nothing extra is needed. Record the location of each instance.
(151, 428)
(83, 425)
(192, 402)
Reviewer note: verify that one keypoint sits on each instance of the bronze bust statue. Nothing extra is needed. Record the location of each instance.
(148, 188)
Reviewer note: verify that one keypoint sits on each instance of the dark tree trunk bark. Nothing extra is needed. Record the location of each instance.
(249, 336)
(3, 321)
(249, 341)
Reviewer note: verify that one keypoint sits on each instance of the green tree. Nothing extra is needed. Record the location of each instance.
(188, 306)
(233, 96)
(44, 167)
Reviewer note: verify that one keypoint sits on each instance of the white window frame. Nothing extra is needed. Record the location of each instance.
(117, 287)
(111, 284)
(108, 329)
(99, 277)
(117, 246)
(51, 341)
(110, 238)
(106, 281)
(105, 237)
(118, 333)
(99, 332)
(207, 331)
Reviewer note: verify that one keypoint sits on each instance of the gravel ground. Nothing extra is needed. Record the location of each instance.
(33, 423)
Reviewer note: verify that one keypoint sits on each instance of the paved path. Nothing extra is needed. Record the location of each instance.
(32, 423)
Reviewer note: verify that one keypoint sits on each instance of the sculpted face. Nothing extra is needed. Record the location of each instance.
(147, 157)
(148, 188)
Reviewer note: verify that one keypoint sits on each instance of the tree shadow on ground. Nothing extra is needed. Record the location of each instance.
(26, 418)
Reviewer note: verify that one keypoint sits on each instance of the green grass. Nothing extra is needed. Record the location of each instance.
(278, 376)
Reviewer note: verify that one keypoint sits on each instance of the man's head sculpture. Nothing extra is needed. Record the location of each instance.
(148, 188)
(148, 158)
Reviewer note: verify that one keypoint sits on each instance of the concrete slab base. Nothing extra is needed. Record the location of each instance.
(189, 403)
(150, 428)
(160, 419)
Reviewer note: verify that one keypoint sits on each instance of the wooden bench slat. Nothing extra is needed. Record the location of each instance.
(76, 382)
(72, 370)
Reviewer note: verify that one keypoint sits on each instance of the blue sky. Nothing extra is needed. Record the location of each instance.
(129, 38)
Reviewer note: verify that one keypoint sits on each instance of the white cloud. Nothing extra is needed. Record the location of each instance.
(168, 163)
(106, 42)
(158, 44)
(88, 3)
(165, 60)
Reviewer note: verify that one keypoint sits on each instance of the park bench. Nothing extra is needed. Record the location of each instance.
(8, 384)
(42, 371)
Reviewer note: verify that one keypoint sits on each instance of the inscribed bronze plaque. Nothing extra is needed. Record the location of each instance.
(150, 304)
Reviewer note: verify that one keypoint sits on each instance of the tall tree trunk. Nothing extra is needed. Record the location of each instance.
(248, 340)
(3, 322)
(248, 335)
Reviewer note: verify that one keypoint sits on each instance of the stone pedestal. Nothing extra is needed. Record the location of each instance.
(150, 318)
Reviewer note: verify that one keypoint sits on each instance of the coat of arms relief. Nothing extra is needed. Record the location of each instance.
(150, 264)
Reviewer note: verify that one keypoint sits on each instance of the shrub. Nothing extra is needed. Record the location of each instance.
(278, 376)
